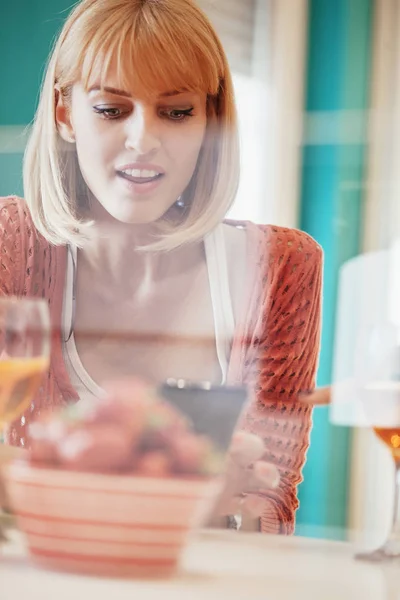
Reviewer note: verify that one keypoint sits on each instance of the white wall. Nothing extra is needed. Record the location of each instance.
(254, 201)
(270, 103)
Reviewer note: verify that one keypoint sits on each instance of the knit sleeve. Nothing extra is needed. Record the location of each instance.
(10, 246)
(284, 363)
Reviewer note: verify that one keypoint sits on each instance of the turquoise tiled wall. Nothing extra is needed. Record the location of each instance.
(27, 31)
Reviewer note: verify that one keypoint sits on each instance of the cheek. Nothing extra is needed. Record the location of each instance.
(93, 135)
(94, 145)
(186, 147)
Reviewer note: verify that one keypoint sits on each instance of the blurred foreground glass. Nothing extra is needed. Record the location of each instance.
(366, 377)
(24, 353)
(24, 356)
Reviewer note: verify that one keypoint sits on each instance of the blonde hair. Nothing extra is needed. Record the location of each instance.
(163, 45)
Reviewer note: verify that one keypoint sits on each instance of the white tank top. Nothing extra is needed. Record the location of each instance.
(224, 323)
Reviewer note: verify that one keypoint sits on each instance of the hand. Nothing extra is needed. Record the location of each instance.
(318, 397)
(246, 475)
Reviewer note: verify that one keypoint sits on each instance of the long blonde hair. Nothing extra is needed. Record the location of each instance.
(163, 45)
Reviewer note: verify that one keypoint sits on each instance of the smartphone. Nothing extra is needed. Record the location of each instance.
(212, 409)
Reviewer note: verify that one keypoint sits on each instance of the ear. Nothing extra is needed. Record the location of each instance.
(63, 118)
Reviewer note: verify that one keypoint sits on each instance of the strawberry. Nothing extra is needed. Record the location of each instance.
(100, 448)
(153, 464)
(129, 430)
(163, 423)
(45, 434)
(189, 452)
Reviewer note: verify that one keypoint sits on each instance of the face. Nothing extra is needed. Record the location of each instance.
(137, 155)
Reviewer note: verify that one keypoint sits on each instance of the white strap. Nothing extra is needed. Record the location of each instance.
(79, 376)
(218, 275)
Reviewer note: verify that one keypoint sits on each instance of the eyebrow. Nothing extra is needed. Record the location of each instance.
(111, 90)
(117, 92)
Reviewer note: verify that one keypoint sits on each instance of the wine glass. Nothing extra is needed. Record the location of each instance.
(366, 362)
(371, 398)
(24, 358)
(385, 422)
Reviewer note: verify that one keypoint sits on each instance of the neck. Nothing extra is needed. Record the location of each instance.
(115, 254)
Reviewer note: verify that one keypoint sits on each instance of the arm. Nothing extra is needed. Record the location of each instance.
(283, 364)
(10, 277)
(10, 250)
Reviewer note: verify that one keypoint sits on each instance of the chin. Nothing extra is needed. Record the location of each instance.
(138, 216)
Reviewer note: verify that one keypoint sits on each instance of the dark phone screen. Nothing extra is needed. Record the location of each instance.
(213, 411)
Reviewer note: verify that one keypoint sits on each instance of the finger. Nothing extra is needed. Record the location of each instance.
(253, 505)
(249, 504)
(265, 475)
(318, 397)
(262, 476)
(233, 507)
(230, 494)
(246, 448)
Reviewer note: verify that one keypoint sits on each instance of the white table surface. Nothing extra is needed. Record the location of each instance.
(219, 565)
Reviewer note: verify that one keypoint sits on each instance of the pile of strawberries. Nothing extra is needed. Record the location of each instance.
(128, 431)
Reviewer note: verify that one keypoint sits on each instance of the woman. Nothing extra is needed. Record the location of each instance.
(131, 166)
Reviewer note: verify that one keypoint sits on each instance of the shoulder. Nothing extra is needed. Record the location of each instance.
(285, 241)
(290, 264)
(15, 218)
(269, 256)
(21, 244)
(16, 221)
(273, 243)
(282, 250)
(10, 208)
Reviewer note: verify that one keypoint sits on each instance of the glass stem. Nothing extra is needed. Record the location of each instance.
(395, 532)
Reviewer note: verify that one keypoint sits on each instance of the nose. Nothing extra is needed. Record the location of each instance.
(142, 135)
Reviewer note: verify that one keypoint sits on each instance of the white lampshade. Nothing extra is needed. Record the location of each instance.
(366, 365)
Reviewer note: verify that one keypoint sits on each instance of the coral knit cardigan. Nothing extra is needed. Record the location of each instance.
(274, 352)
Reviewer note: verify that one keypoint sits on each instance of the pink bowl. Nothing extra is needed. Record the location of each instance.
(110, 525)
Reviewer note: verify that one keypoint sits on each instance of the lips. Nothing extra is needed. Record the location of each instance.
(141, 178)
(141, 173)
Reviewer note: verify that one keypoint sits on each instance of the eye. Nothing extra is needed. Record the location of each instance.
(109, 112)
(177, 114)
